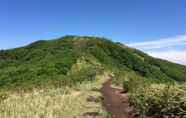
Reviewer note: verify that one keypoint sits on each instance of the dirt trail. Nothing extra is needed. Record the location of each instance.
(116, 102)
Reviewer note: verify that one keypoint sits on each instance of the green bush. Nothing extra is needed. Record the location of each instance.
(155, 100)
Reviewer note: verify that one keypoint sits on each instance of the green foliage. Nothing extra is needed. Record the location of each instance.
(71, 60)
(46, 62)
(36, 64)
(156, 100)
(166, 102)
(115, 55)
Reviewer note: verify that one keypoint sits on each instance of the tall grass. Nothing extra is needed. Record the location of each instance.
(67, 100)
(54, 103)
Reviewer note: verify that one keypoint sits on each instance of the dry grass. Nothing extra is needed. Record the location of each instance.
(54, 103)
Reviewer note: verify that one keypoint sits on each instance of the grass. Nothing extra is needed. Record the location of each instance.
(156, 99)
(45, 63)
(64, 72)
(54, 103)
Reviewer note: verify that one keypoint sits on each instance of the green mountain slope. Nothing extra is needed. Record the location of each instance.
(46, 63)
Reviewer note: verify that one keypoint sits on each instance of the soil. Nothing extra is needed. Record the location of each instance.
(116, 102)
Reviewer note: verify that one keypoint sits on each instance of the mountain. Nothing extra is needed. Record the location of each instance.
(45, 63)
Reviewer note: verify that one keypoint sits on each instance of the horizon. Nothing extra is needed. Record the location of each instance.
(165, 55)
(155, 27)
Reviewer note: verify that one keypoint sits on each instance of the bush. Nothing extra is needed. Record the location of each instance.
(157, 100)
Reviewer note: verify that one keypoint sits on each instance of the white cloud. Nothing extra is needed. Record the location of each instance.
(179, 40)
(161, 48)
(174, 56)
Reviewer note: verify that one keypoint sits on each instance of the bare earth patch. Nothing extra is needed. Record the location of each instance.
(116, 102)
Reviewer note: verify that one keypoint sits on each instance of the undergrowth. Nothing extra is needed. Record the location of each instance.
(154, 99)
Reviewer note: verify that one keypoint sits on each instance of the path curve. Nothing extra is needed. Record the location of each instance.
(116, 102)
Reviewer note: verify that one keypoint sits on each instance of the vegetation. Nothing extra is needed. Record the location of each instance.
(44, 62)
(61, 65)
(154, 99)
(63, 102)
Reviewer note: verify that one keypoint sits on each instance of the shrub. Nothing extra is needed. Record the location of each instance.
(157, 100)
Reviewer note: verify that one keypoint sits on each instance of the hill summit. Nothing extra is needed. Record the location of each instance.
(44, 63)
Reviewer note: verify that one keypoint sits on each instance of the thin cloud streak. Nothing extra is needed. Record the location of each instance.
(161, 48)
(174, 56)
(179, 40)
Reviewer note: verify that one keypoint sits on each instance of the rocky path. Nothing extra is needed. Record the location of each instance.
(116, 102)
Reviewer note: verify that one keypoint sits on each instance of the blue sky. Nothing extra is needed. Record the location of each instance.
(138, 23)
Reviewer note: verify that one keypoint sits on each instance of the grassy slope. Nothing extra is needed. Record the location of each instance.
(64, 101)
(48, 62)
(74, 61)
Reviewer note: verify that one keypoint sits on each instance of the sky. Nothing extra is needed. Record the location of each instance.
(157, 27)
